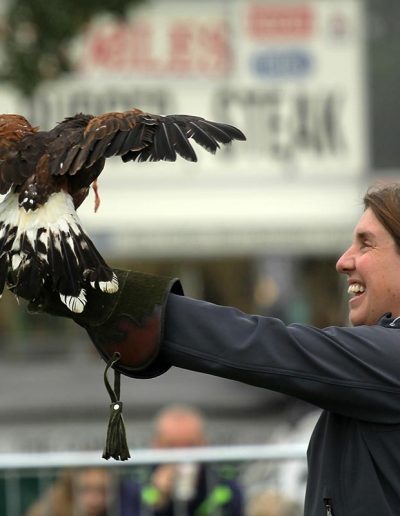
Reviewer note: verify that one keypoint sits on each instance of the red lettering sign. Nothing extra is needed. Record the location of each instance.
(266, 21)
(188, 48)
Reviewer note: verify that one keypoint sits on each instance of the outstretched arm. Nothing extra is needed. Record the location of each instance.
(352, 371)
(349, 370)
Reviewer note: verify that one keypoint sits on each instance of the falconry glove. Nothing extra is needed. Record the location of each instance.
(129, 322)
(127, 329)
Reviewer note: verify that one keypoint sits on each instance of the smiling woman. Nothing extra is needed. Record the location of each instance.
(372, 262)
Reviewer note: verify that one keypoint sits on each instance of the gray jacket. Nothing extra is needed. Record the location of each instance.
(353, 374)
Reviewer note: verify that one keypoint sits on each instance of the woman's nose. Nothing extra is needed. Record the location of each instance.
(345, 263)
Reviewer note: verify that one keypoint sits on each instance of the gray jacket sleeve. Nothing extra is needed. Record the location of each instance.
(351, 371)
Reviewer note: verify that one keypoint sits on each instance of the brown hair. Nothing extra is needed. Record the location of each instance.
(384, 201)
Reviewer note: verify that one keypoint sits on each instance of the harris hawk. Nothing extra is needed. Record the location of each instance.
(47, 175)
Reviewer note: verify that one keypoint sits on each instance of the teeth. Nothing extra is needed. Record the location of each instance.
(355, 288)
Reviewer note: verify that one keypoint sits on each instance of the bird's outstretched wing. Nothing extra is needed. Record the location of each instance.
(134, 135)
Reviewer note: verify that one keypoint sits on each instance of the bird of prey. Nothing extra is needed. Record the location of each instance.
(47, 175)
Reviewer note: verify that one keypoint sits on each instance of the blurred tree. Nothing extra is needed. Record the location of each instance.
(37, 34)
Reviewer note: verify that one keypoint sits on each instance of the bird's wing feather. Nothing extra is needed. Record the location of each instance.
(172, 134)
(80, 141)
(133, 135)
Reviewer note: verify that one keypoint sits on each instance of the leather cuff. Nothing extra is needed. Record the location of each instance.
(134, 329)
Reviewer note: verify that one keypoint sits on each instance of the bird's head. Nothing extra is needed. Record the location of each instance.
(14, 127)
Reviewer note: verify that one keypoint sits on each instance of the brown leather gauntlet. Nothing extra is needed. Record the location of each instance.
(129, 322)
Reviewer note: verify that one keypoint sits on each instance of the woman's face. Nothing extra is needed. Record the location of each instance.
(372, 266)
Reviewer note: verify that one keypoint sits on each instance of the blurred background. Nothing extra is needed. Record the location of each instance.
(313, 85)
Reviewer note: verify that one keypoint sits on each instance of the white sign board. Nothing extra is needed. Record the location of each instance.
(289, 74)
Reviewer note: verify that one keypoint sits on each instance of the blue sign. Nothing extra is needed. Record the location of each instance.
(282, 63)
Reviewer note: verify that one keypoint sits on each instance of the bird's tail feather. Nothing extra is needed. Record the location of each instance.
(27, 271)
(50, 250)
(95, 270)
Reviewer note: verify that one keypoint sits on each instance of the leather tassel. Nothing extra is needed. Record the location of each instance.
(116, 444)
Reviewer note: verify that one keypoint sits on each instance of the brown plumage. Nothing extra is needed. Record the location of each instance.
(47, 175)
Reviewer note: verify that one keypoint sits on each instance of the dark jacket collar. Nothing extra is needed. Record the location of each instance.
(388, 321)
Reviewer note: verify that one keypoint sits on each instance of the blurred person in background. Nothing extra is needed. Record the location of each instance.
(272, 503)
(181, 489)
(352, 372)
(78, 492)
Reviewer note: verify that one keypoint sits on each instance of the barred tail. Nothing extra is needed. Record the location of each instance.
(50, 250)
